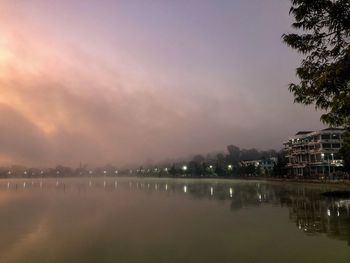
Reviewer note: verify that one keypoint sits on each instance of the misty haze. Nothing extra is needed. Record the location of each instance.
(174, 131)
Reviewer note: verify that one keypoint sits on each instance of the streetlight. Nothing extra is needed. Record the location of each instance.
(329, 168)
(184, 169)
(229, 168)
(322, 156)
(332, 154)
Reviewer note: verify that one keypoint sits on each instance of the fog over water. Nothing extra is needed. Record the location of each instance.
(126, 81)
(167, 220)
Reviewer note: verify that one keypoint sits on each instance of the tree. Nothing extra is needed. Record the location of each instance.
(325, 71)
(345, 151)
(250, 154)
(279, 169)
(173, 171)
(219, 170)
(234, 154)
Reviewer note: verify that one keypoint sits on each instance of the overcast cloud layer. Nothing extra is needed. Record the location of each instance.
(126, 81)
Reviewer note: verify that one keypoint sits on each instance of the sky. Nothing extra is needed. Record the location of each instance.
(124, 82)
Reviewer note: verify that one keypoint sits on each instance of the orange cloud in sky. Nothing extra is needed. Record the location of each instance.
(82, 81)
(64, 107)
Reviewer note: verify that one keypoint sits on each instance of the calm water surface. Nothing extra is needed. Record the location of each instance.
(164, 220)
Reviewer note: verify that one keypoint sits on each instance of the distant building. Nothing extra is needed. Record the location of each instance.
(265, 165)
(314, 153)
(268, 164)
(249, 163)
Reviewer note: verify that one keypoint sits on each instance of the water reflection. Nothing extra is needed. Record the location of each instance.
(311, 213)
(308, 209)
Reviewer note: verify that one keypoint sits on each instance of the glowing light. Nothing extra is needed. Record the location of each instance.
(5, 54)
(211, 190)
(185, 189)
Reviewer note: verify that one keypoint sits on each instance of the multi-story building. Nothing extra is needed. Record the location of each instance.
(314, 153)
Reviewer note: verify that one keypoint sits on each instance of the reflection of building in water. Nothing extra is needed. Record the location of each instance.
(319, 215)
(314, 153)
(308, 209)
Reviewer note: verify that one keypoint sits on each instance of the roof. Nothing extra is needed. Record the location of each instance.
(303, 132)
(333, 129)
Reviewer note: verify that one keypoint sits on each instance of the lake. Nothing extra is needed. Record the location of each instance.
(170, 220)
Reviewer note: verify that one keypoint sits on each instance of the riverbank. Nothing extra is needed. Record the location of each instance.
(343, 184)
(337, 183)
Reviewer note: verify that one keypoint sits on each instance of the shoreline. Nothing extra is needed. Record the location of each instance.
(315, 182)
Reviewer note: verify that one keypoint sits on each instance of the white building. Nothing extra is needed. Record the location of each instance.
(265, 165)
(314, 153)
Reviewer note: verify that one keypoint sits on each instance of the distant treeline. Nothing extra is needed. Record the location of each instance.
(234, 162)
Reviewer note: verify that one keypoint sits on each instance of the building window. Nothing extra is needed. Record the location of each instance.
(335, 145)
(326, 145)
(325, 136)
(335, 136)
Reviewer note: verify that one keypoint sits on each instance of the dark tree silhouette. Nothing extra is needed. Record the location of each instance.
(324, 73)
